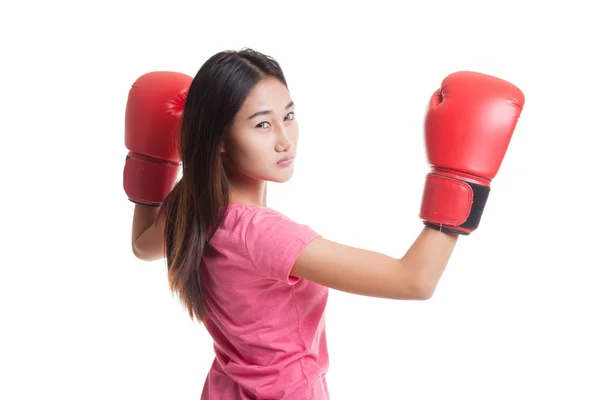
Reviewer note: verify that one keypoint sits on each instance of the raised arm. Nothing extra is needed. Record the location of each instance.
(152, 118)
(364, 272)
(468, 127)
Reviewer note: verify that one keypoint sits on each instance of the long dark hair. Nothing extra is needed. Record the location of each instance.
(195, 207)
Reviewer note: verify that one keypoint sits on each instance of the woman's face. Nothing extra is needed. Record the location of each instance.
(261, 144)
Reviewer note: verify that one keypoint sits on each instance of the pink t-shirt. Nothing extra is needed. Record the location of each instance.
(268, 327)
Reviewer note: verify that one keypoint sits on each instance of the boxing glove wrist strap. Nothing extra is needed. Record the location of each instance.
(453, 203)
(148, 181)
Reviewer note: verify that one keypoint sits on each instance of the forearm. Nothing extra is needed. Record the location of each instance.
(145, 242)
(143, 217)
(428, 257)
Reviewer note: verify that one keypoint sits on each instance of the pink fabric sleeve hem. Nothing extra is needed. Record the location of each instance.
(295, 252)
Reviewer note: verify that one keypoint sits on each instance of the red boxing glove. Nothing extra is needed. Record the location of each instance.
(468, 128)
(152, 117)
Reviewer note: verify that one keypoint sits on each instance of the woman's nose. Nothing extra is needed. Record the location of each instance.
(284, 142)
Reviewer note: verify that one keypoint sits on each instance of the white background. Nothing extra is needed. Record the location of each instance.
(514, 317)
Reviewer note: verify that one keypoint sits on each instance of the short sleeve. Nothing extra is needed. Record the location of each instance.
(274, 242)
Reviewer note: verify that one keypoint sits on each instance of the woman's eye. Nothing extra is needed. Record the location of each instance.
(290, 116)
(262, 125)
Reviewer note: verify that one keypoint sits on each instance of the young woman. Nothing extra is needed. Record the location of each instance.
(256, 279)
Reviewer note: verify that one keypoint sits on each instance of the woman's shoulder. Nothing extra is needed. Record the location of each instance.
(259, 220)
(254, 212)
